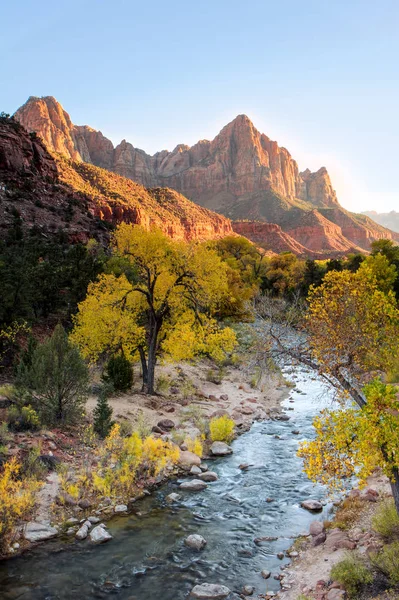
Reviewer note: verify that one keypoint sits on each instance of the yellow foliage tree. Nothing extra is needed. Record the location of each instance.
(354, 336)
(165, 305)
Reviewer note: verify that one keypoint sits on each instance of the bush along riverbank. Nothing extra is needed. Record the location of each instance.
(86, 480)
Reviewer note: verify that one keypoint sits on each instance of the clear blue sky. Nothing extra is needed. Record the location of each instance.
(319, 76)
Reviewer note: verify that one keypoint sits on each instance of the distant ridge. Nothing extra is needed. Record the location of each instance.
(241, 174)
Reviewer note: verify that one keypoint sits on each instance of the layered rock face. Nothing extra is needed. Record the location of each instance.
(54, 193)
(241, 174)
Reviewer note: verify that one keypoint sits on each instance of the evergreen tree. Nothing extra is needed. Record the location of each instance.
(102, 413)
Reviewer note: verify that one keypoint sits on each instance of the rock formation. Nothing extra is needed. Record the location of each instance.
(50, 193)
(241, 174)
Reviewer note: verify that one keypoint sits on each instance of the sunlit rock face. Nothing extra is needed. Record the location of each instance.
(241, 174)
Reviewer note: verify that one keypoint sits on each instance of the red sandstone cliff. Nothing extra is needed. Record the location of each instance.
(241, 174)
(52, 193)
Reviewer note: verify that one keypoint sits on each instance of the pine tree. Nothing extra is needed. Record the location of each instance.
(102, 413)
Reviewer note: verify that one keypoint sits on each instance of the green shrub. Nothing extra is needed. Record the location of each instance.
(163, 384)
(57, 380)
(5, 436)
(31, 465)
(386, 520)
(119, 372)
(102, 412)
(142, 426)
(23, 418)
(216, 375)
(221, 429)
(126, 428)
(352, 574)
(387, 561)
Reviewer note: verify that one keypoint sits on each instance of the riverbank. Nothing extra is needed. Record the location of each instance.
(249, 518)
(349, 534)
(194, 395)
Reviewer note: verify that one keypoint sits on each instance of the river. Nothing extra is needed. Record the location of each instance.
(147, 558)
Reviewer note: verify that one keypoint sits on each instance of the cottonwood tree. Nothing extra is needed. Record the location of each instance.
(165, 306)
(352, 326)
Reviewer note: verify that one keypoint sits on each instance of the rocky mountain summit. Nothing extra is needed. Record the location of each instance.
(50, 192)
(241, 174)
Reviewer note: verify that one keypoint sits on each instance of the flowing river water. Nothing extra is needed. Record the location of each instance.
(147, 558)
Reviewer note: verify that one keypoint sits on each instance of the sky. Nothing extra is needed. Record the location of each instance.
(320, 77)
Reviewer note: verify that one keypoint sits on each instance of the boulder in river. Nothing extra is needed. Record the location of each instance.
(312, 505)
(38, 532)
(209, 476)
(265, 574)
(82, 532)
(195, 485)
(213, 591)
(120, 508)
(173, 497)
(247, 590)
(220, 449)
(195, 470)
(195, 541)
(98, 535)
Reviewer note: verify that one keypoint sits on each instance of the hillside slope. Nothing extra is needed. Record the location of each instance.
(51, 192)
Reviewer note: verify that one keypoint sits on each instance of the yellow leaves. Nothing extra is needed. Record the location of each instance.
(355, 441)
(17, 498)
(194, 445)
(189, 337)
(121, 461)
(221, 429)
(351, 321)
(173, 285)
(108, 318)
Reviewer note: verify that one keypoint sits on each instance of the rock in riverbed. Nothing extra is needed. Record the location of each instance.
(173, 497)
(195, 541)
(99, 535)
(209, 476)
(220, 449)
(82, 532)
(38, 532)
(195, 470)
(213, 591)
(195, 485)
(120, 508)
(312, 505)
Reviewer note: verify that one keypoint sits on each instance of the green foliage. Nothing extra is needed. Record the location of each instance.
(5, 435)
(221, 429)
(215, 375)
(387, 561)
(57, 381)
(23, 418)
(41, 275)
(119, 372)
(386, 520)
(102, 413)
(163, 384)
(352, 574)
(31, 465)
(125, 428)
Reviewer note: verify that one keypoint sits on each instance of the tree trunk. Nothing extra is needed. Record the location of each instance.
(152, 358)
(144, 369)
(395, 488)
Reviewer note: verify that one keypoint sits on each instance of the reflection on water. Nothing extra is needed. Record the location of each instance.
(147, 558)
